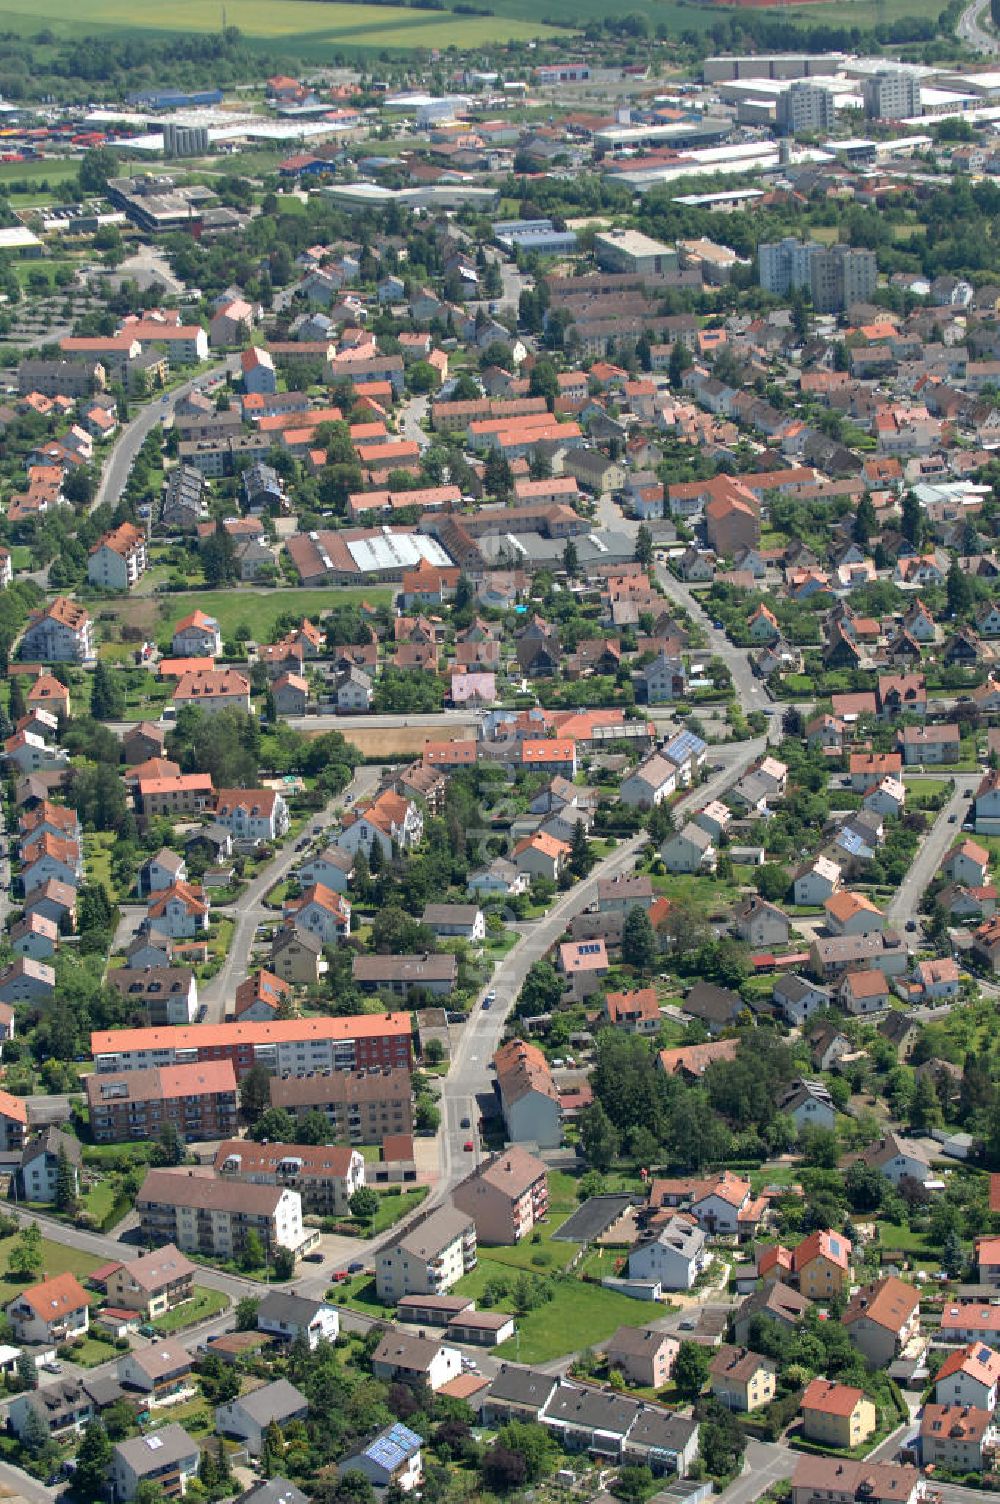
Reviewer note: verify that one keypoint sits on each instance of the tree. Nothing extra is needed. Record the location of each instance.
(246, 1314)
(570, 559)
(580, 858)
(541, 991)
(504, 1471)
(690, 1370)
(598, 1136)
(16, 707)
(26, 1370)
(865, 521)
(773, 881)
(953, 1255)
(680, 360)
(26, 1255)
(639, 947)
(544, 381)
(275, 1126)
(820, 1147)
(66, 1182)
(643, 546)
(148, 1492)
(364, 1203)
(534, 1443)
(170, 1148)
(99, 164)
(107, 702)
(911, 523)
(253, 1254)
(93, 1462)
(255, 1093)
(634, 1483)
(722, 1442)
(960, 592)
(284, 1263)
(35, 1433)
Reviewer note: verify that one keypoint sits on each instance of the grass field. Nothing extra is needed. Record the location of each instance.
(256, 609)
(312, 29)
(56, 1259)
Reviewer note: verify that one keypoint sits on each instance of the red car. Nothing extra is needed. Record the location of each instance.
(468, 1146)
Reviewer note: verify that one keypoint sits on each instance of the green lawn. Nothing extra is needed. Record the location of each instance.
(205, 1303)
(579, 1315)
(97, 859)
(260, 609)
(92, 1351)
(99, 1201)
(56, 1259)
(392, 1208)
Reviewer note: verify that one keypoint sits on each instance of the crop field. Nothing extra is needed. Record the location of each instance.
(307, 27)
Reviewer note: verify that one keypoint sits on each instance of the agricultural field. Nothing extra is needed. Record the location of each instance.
(311, 30)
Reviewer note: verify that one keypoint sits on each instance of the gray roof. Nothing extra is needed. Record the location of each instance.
(636, 1341)
(594, 1408)
(273, 1491)
(293, 1310)
(278, 1401)
(657, 1428)
(513, 1385)
(427, 1238)
(150, 1453)
(50, 1141)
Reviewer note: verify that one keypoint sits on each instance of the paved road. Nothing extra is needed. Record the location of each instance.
(218, 993)
(938, 840)
(764, 1464)
(750, 692)
(971, 28)
(469, 1077)
(411, 414)
(15, 1482)
(119, 462)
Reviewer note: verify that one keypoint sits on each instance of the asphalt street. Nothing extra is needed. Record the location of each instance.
(469, 1078)
(115, 471)
(218, 993)
(971, 29)
(942, 835)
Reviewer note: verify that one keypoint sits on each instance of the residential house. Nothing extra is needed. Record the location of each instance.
(248, 1416)
(289, 1317)
(689, 850)
(960, 1438)
(674, 1257)
(206, 1214)
(740, 1379)
(393, 1458)
(56, 1310)
(153, 1283)
(48, 1160)
(429, 1257)
(405, 1357)
(166, 1459)
(882, 1319)
(529, 1100)
(644, 1355)
(161, 1372)
(969, 1375)
(809, 1105)
(760, 923)
(506, 1196)
(837, 1415)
